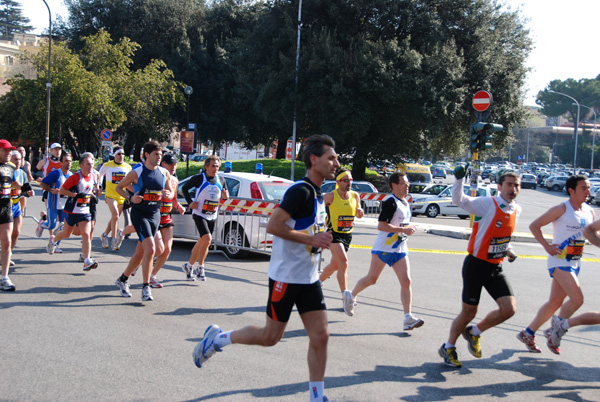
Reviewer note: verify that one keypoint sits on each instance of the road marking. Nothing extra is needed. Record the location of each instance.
(424, 250)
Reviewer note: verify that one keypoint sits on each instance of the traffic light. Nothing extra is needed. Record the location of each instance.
(485, 133)
(473, 139)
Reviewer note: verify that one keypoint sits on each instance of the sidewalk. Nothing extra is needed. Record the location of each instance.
(453, 231)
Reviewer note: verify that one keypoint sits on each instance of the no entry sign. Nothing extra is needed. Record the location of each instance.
(482, 101)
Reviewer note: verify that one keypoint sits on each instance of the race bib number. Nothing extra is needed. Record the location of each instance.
(574, 250)
(498, 247)
(152, 197)
(210, 207)
(83, 201)
(6, 189)
(345, 223)
(15, 193)
(117, 177)
(165, 208)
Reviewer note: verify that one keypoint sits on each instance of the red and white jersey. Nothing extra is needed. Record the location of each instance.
(51, 165)
(84, 187)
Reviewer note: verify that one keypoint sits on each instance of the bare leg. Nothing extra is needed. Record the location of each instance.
(315, 323)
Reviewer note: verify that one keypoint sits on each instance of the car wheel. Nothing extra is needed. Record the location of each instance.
(534, 186)
(234, 237)
(556, 187)
(463, 216)
(432, 211)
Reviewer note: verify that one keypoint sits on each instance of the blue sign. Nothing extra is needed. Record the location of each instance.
(107, 135)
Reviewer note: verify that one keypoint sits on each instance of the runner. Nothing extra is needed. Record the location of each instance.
(391, 248)
(80, 188)
(56, 201)
(46, 165)
(298, 229)
(494, 224)
(150, 183)
(569, 219)
(210, 188)
(169, 162)
(343, 205)
(15, 195)
(114, 172)
(8, 181)
(26, 166)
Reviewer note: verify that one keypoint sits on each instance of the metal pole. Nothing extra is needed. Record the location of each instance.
(296, 88)
(48, 83)
(527, 154)
(576, 125)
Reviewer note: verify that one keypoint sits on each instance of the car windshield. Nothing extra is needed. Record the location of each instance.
(273, 190)
(419, 177)
(434, 190)
(362, 188)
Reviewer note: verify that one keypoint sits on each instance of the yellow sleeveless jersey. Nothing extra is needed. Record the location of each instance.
(114, 173)
(342, 212)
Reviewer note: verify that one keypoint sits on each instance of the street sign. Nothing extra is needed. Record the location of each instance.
(107, 144)
(106, 134)
(482, 101)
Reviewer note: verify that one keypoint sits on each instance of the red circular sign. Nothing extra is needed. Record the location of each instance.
(482, 101)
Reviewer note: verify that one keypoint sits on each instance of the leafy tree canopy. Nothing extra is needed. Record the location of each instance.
(12, 20)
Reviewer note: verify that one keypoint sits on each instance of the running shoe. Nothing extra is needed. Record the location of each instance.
(450, 357)
(118, 240)
(348, 302)
(81, 257)
(7, 285)
(89, 264)
(412, 322)
(39, 230)
(557, 330)
(200, 274)
(104, 239)
(51, 246)
(11, 263)
(548, 335)
(189, 271)
(529, 341)
(206, 348)
(60, 227)
(123, 287)
(147, 294)
(154, 283)
(58, 250)
(473, 341)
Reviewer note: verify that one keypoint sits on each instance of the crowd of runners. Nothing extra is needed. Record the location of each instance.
(305, 223)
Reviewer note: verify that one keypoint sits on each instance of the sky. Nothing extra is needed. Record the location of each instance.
(563, 33)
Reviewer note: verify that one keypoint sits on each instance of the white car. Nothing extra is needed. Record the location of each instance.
(594, 196)
(528, 181)
(433, 205)
(235, 231)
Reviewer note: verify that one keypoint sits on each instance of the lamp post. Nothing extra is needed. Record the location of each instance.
(48, 82)
(296, 88)
(593, 136)
(576, 125)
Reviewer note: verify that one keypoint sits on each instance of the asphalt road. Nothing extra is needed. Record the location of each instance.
(69, 335)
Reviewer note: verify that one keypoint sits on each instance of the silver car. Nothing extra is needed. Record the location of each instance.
(237, 231)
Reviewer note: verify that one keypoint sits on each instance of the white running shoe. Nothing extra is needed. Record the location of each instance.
(39, 230)
(206, 348)
(557, 331)
(154, 283)
(58, 250)
(7, 285)
(11, 263)
(89, 264)
(200, 274)
(50, 247)
(147, 294)
(123, 287)
(412, 322)
(348, 302)
(81, 257)
(189, 271)
(117, 241)
(104, 239)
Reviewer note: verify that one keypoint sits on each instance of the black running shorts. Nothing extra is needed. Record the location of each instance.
(343, 238)
(204, 226)
(6, 214)
(283, 296)
(478, 274)
(145, 223)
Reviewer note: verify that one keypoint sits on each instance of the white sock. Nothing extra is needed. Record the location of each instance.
(565, 324)
(316, 389)
(475, 331)
(408, 315)
(223, 339)
(449, 345)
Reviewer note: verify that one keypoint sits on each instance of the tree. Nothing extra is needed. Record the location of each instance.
(12, 20)
(93, 90)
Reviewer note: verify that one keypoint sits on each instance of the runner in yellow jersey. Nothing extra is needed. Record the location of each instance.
(343, 205)
(114, 172)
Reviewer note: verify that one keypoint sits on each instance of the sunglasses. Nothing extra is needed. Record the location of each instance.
(347, 180)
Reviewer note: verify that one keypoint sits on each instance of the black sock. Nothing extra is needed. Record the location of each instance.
(123, 278)
(146, 284)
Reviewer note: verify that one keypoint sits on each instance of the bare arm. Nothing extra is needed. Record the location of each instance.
(359, 211)
(591, 233)
(387, 227)
(131, 178)
(277, 227)
(545, 219)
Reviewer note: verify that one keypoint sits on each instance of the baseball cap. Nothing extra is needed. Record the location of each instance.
(55, 145)
(169, 159)
(4, 144)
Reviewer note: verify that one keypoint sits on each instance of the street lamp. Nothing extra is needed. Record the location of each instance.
(188, 91)
(296, 88)
(48, 83)
(593, 136)
(576, 125)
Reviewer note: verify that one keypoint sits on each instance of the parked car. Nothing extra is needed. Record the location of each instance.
(594, 196)
(528, 181)
(556, 183)
(237, 229)
(441, 204)
(438, 171)
(360, 187)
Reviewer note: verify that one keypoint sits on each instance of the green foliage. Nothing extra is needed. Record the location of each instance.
(275, 167)
(12, 20)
